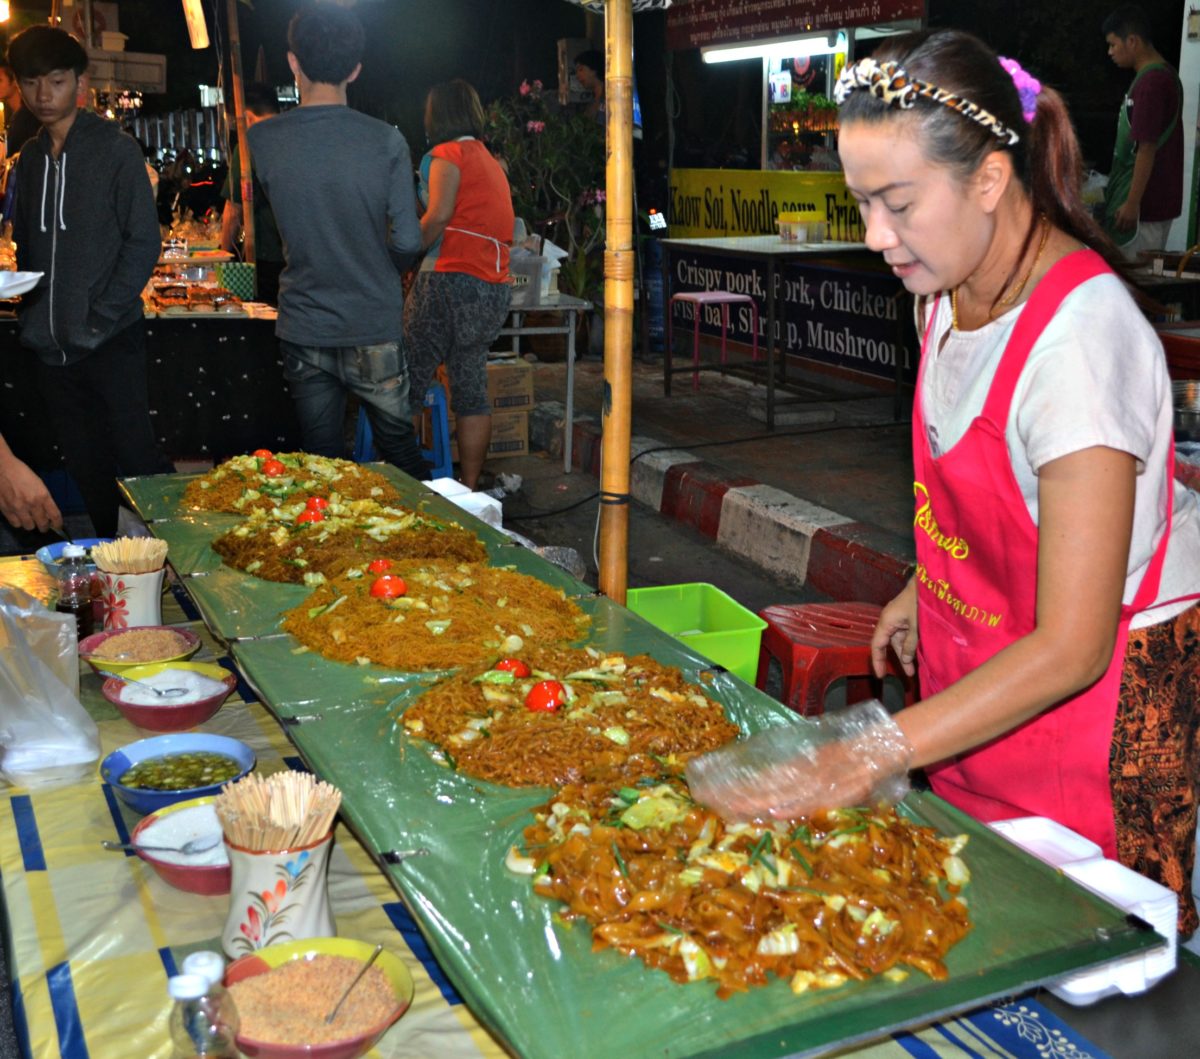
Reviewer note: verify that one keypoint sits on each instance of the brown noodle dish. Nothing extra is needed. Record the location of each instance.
(140, 645)
(620, 711)
(288, 1004)
(240, 486)
(450, 614)
(819, 901)
(277, 547)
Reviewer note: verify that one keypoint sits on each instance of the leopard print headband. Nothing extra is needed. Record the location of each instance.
(889, 82)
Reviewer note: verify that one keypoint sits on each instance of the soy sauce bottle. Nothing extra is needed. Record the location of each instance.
(75, 589)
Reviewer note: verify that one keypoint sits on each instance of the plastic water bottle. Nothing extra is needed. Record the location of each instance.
(75, 589)
(203, 1022)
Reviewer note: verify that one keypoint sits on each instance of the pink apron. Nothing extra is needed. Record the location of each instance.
(977, 593)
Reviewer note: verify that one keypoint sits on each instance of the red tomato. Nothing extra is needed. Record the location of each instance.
(309, 516)
(316, 503)
(514, 666)
(263, 454)
(389, 587)
(546, 696)
(377, 566)
(273, 468)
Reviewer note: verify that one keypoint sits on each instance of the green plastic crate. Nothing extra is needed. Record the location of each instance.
(706, 620)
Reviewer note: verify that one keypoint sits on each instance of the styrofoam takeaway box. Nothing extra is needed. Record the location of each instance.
(1081, 859)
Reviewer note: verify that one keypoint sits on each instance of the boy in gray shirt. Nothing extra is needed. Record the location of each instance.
(341, 187)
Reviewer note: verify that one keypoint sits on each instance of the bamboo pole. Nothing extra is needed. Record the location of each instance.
(618, 300)
(239, 114)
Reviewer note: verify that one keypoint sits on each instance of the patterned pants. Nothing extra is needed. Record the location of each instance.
(451, 318)
(1154, 767)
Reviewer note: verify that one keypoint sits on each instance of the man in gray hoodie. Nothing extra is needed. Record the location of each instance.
(85, 218)
(340, 184)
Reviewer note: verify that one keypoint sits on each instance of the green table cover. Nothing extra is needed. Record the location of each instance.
(534, 979)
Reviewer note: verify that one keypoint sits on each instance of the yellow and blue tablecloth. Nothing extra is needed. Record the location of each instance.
(95, 934)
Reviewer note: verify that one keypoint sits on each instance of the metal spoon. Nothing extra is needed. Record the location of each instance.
(191, 846)
(162, 693)
(337, 1007)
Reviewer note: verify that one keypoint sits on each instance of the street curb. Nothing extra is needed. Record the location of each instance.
(790, 538)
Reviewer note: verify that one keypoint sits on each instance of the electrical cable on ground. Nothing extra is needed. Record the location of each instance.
(708, 445)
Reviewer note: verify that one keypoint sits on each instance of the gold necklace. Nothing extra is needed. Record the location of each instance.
(1016, 291)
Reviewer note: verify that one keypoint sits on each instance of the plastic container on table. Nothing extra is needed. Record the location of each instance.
(705, 619)
(197, 1024)
(1081, 859)
(75, 589)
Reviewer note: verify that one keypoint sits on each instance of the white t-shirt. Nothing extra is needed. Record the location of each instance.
(1097, 376)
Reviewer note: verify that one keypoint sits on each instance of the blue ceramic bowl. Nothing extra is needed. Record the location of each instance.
(50, 554)
(141, 800)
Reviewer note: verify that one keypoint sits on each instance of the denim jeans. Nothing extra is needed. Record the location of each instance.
(320, 377)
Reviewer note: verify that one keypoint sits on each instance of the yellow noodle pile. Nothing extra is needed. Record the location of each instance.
(620, 710)
(453, 614)
(239, 486)
(276, 548)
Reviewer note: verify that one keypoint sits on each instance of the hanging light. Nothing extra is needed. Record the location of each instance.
(193, 11)
(823, 44)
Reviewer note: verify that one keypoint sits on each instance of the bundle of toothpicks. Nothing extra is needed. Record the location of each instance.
(284, 811)
(130, 555)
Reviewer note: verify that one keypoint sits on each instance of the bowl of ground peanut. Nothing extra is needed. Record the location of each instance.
(116, 649)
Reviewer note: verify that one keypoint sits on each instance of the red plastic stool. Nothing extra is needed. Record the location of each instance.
(699, 299)
(816, 644)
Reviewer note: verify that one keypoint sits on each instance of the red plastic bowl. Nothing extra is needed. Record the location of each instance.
(212, 880)
(169, 716)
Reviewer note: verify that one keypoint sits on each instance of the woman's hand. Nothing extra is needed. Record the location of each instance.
(853, 756)
(897, 628)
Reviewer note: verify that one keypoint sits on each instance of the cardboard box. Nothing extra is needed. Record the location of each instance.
(510, 436)
(510, 385)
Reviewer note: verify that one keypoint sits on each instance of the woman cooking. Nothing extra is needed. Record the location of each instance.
(461, 295)
(1058, 564)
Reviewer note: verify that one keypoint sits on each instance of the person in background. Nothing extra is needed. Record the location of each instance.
(24, 499)
(589, 72)
(19, 123)
(261, 103)
(340, 185)
(1058, 562)
(1145, 184)
(460, 297)
(85, 218)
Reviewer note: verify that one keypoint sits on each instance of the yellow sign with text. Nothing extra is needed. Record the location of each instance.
(737, 202)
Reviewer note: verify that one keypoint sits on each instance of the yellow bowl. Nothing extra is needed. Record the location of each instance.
(88, 645)
(276, 955)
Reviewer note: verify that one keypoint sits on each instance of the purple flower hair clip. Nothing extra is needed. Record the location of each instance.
(1028, 87)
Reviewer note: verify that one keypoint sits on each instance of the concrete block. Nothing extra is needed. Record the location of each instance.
(773, 529)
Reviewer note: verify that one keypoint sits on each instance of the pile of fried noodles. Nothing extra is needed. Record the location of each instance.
(619, 709)
(276, 547)
(819, 901)
(452, 614)
(239, 486)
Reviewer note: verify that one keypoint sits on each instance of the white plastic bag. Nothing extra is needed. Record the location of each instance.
(46, 736)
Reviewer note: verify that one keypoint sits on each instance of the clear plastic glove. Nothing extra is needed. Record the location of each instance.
(856, 756)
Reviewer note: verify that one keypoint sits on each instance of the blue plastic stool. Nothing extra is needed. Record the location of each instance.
(437, 457)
